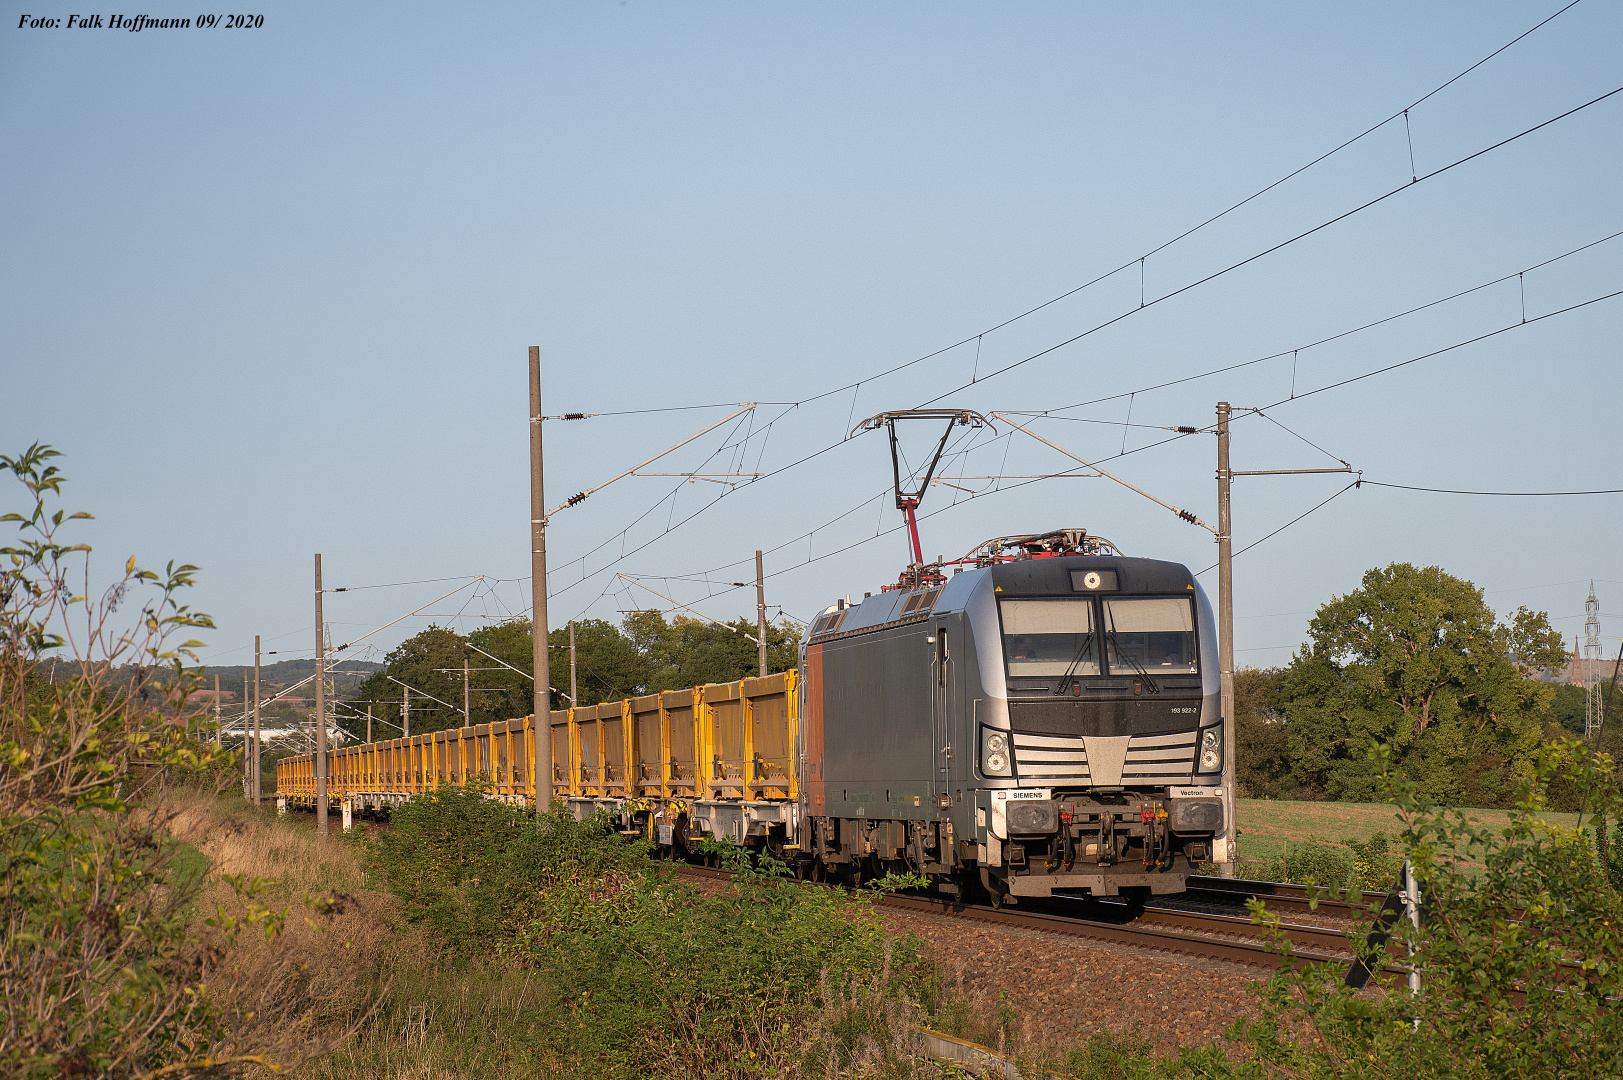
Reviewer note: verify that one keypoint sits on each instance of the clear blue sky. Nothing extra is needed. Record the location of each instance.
(271, 291)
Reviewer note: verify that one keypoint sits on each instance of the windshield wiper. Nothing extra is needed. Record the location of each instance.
(1066, 679)
(1149, 682)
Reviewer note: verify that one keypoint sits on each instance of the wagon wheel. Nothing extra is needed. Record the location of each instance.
(819, 871)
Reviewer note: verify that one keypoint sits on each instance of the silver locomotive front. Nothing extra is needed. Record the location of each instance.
(1098, 738)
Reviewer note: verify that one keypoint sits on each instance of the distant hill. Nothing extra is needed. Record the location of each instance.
(284, 672)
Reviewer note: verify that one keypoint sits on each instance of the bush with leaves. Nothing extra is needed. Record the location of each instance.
(100, 972)
(1519, 951)
(1351, 865)
(1375, 865)
(478, 872)
(678, 984)
(1609, 852)
(643, 975)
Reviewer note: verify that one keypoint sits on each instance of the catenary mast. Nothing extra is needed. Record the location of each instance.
(1592, 659)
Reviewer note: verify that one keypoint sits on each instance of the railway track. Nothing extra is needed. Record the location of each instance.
(1230, 938)
(1282, 897)
(1214, 937)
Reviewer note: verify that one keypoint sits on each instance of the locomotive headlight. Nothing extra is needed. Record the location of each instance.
(994, 753)
(1211, 749)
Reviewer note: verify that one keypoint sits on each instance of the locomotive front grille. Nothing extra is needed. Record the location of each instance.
(1160, 758)
(1151, 759)
(1045, 757)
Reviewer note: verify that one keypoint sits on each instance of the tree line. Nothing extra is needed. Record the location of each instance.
(1414, 659)
(645, 654)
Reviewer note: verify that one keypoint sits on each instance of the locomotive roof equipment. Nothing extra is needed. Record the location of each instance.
(1038, 546)
(907, 501)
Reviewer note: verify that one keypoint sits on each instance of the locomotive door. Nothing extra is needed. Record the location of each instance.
(940, 718)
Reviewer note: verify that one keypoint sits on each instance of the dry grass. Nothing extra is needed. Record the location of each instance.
(301, 992)
(444, 1022)
(240, 839)
(374, 1001)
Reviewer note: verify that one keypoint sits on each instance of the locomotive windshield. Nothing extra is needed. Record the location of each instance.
(1048, 638)
(1151, 633)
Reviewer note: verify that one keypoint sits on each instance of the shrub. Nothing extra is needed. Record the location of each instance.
(642, 974)
(479, 873)
(1316, 863)
(1520, 959)
(1350, 865)
(677, 984)
(1375, 865)
(100, 970)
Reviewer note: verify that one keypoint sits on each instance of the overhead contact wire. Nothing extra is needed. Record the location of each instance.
(1052, 413)
(1277, 247)
(1139, 260)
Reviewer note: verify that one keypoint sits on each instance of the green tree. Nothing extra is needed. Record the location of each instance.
(1262, 742)
(1570, 707)
(430, 662)
(690, 652)
(608, 665)
(500, 692)
(1415, 659)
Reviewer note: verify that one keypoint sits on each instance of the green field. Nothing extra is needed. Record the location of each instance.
(1266, 826)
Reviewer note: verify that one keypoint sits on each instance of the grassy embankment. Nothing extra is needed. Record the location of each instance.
(611, 977)
(415, 1014)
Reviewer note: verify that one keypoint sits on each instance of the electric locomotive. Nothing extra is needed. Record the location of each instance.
(1044, 719)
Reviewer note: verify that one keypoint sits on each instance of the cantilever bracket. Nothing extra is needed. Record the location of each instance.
(1182, 513)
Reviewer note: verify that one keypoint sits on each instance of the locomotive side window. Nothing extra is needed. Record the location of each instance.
(1153, 634)
(1048, 638)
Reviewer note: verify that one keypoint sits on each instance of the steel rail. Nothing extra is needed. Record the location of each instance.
(1318, 938)
(1284, 893)
(1283, 905)
(1233, 901)
(1283, 896)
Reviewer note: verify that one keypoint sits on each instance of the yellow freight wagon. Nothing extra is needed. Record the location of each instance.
(714, 760)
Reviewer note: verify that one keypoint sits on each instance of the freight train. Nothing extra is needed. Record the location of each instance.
(1043, 719)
